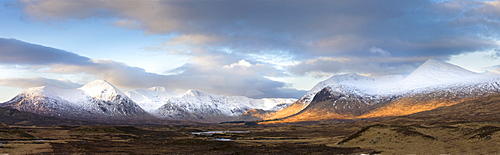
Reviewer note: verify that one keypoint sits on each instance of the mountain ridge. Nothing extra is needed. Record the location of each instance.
(434, 84)
(100, 99)
(96, 100)
(202, 106)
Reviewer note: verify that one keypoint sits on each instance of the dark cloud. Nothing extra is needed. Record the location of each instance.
(18, 52)
(37, 81)
(368, 37)
(303, 28)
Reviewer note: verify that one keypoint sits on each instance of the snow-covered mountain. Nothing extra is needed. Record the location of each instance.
(95, 100)
(101, 100)
(431, 85)
(152, 98)
(197, 105)
(432, 73)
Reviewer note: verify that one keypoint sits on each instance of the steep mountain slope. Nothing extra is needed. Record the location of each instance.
(96, 100)
(197, 105)
(480, 109)
(434, 84)
(414, 102)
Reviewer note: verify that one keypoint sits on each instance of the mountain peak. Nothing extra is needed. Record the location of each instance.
(436, 66)
(193, 92)
(98, 82)
(35, 90)
(435, 71)
(158, 89)
(101, 89)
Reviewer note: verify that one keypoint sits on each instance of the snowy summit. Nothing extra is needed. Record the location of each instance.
(432, 73)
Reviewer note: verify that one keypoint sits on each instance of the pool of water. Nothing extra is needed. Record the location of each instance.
(223, 139)
(217, 132)
(211, 133)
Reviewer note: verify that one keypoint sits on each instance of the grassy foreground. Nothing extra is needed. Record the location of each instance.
(341, 138)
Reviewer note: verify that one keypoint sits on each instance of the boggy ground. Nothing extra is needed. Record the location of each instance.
(173, 139)
(358, 137)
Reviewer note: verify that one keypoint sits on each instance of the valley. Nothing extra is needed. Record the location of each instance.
(447, 130)
(339, 138)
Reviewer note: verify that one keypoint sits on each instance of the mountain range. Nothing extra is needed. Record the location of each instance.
(102, 101)
(201, 106)
(432, 85)
(95, 100)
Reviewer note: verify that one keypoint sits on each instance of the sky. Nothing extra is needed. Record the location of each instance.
(253, 48)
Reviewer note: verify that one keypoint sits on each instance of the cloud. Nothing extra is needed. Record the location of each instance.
(208, 74)
(239, 64)
(306, 29)
(493, 69)
(18, 52)
(373, 66)
(496, 54)
(129, 24)
(192, 40)
(117, 73)
(241, 77)
(225, 38)
(217, 73)
(65, 9)
(304, 33)
(37, 81)
(379, 51)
